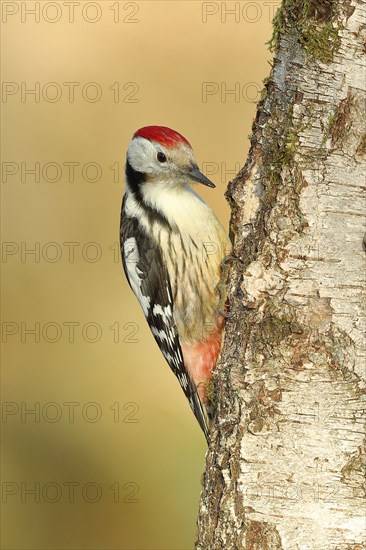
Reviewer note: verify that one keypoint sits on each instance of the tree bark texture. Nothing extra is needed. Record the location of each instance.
(285, 468)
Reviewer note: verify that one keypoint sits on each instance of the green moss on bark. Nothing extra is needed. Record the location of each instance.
(317, 25)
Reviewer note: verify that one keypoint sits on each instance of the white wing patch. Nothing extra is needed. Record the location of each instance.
(167, 335)
(165, 312)
(132, 257)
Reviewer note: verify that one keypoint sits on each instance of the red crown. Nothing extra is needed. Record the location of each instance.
(161, 134)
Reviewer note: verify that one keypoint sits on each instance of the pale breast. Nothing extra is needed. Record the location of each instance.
(193, 259)
(193, 244)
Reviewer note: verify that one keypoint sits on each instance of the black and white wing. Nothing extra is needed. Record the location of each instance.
(149, 279)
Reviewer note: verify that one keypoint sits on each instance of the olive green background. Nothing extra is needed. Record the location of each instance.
(110, 419)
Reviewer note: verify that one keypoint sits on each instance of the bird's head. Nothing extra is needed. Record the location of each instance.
(157, 153)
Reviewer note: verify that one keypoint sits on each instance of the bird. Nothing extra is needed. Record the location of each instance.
(172, 248)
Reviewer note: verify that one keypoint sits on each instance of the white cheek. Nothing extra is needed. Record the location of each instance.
(142, 157)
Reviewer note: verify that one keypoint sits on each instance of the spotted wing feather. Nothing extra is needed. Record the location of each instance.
(148, 277)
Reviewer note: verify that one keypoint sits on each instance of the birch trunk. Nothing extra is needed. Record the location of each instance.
(286, 465)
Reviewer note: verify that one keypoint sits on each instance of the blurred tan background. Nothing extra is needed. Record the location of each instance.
(111, 456)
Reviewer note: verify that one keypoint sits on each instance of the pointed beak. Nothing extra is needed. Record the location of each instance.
(195, 175)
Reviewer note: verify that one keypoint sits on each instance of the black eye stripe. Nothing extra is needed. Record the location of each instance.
(161, 157)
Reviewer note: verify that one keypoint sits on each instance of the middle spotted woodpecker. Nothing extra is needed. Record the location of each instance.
(172, 247)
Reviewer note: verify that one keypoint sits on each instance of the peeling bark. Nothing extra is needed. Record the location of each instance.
(286, 465)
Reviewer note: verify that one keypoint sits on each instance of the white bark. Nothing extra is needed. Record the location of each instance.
(286, 466)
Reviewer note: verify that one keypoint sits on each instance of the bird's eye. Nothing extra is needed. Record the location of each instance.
(161, 157)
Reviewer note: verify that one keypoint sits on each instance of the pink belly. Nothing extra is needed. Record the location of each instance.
(200, 358)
